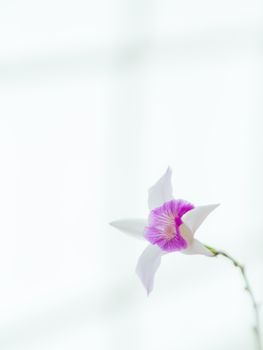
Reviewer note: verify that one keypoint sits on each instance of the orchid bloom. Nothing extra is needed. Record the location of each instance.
(171, 227)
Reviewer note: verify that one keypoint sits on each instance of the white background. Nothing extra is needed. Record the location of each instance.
(97, 98)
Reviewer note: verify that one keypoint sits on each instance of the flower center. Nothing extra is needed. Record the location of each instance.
(169, 232)
(165, 226)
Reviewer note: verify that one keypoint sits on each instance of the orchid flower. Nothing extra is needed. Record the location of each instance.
(171, 227)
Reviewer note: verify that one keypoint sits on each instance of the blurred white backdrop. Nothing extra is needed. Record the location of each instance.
(97, 99)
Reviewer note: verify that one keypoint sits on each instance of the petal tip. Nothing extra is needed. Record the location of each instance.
(169, 170)
(195, 217)
(147, 265)
(147, 288)
(113, 224)
(161, 191)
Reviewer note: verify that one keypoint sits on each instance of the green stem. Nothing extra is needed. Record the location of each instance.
(255, 306)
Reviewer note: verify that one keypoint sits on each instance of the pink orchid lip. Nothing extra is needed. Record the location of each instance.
(164, 225)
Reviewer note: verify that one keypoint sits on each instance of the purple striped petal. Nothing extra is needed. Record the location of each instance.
(164, 225)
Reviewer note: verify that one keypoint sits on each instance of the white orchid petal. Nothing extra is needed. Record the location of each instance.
(197, 247)
(134, 227)
(161, 192)
(147, 265)
(186, 233)
(194, 218)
